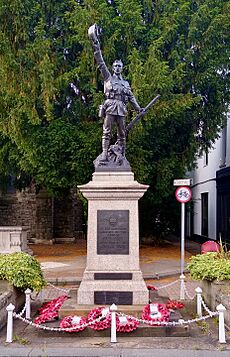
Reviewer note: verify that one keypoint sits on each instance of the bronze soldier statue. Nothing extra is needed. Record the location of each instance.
(117, 94)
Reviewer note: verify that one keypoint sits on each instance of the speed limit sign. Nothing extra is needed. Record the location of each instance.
(183, 194)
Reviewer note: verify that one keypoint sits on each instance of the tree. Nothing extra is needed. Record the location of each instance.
(42, 108)
(51, 89)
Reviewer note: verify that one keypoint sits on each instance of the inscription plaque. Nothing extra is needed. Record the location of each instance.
(113, 232)
(113, 297)
(113, 276)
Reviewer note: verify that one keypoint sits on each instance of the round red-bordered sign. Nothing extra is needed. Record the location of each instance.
(183, 194)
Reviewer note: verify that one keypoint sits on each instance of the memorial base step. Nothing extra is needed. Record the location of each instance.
(71, 308)
(142, 331)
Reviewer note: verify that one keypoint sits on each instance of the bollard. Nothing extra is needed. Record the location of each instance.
(113, 309)
(182, 295)
(9, 332)
(198, 291)
(28, 303)
(221, 309)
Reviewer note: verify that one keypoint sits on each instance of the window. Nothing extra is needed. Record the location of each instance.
(223, 147)
(204, 214)
(206, 157)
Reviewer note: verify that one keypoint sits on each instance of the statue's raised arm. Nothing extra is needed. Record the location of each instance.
(93, 33)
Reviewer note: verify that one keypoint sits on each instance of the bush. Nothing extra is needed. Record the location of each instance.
(22, 271)
(210, 266)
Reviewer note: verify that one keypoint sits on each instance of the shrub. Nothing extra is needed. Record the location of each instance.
(22, 271)
(210, 266)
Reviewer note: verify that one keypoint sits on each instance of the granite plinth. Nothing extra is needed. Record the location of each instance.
(113, 238)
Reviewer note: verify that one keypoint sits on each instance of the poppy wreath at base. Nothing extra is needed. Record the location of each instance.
(99, 312)
(174, 304)
(162, 314)
(48, 316)
(126, 324)
(78, 322)
(49, 311)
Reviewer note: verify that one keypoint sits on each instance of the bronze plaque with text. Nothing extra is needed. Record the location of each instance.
(113, 232)
(113, 297)
(113, 276)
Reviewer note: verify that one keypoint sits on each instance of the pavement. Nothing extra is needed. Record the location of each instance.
(63, 265)
(116, 351)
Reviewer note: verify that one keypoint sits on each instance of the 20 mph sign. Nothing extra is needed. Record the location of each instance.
(183, 194)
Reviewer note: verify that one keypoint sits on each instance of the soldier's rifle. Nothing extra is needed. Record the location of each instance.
(141, 114)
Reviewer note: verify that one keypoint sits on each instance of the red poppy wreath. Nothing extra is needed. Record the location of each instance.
(49, 311)
(155, 313)
(78, 323)
(102, 316)
(126, 324)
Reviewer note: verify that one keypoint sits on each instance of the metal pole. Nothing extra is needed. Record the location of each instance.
(182, 237)
(28, 302)
(221, 309)
(113, 309)
(182, 290)
(9, 333)
(198, 291)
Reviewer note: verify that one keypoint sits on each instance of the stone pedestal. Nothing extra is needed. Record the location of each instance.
(13, 239)
(112, 273)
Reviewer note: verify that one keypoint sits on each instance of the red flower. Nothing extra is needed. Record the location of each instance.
(174, 304)
(151, 287)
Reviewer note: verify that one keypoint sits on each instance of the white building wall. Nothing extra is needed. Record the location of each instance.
(228, 141)
(204, 180)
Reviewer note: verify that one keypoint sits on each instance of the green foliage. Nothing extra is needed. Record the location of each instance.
(50, 87)
(223, 253)
(209, 266)
(204, 325)
(21, 340)
(21, 270)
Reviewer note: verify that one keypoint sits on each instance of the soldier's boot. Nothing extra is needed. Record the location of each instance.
(105, 146)
(104, 155)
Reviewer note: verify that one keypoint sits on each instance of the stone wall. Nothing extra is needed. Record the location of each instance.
(215, 293)
(67, 226)
(19, 209)
(45, 219)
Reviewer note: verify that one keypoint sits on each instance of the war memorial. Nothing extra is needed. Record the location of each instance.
(112, 276)
(112, 273)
